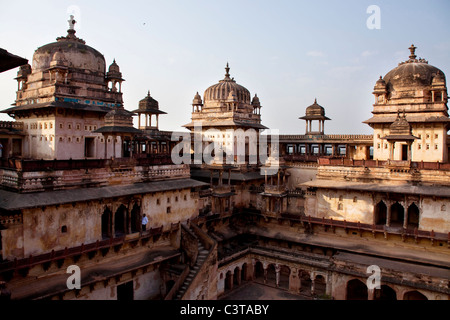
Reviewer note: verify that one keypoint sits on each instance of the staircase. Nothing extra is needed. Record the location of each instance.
(201, 257)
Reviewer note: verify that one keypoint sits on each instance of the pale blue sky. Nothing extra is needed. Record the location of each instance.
(288, 52)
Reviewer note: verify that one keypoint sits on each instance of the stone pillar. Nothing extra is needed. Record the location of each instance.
(238, 276)
(277, 274)
(294, 281)
(388, 214)
(405, 217)
(106, 147)
(128, 219)
(313, 285)
(409, 151)
(251, 271)
(265, 272)
(391, 150)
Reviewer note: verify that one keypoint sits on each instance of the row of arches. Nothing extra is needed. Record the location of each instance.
(357, 290)
(396, 215)
(309, 283)
(300, 281)
(123, 221)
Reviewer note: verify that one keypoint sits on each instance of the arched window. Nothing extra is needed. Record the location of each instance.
(106, 223)
(119, 221)
(385, 293)
(414, 295)
(413, 216)
(397, 214)
(380, 213)
(356, 290)
(320, 285)
(135, 218)
(285, 272)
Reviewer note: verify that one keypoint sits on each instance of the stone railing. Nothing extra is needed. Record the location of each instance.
(285, 138)
(8, 125)
(383, 163)
(275, 189)
(55, 175)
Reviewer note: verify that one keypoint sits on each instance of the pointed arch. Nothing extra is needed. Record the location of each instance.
(397, 214)
(413, 216)
(356, 290)
(385, 293)
(106, 222)
(380, 214)
(119, 221)
(414, 295)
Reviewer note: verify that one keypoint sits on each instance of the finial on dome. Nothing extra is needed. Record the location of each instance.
(148, 93)
(412, 49)
(72, 22)
(315, 100)
(227, 69)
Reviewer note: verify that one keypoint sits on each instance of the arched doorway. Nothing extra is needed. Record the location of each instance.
(385, 293)
(271, 275)
(320, 285)
(135, 218)
(228, 281)
(106, 223)
(119, 221)
(237, 276)
(259, 271)
(284, 277)
(413, 216)
(356, 290)
(380, 213)
(414, 295)
(397, 215)
(244, 272)
(305, 282)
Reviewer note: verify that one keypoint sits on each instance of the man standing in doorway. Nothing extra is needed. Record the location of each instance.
(1, 150)
(144, 222)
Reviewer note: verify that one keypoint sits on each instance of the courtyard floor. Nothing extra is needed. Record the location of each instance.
(257, 291)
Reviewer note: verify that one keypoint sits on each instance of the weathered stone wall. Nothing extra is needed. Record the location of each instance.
(69, 225)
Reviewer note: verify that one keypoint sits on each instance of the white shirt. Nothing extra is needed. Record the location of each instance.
(144, 220)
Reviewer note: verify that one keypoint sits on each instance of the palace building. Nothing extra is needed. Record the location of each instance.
(76, 179)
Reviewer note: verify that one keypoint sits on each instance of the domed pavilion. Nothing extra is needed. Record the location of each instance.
(417, 90)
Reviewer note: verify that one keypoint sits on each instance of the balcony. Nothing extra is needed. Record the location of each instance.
(275, 189)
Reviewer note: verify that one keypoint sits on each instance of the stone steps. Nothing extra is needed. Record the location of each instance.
(201, 257)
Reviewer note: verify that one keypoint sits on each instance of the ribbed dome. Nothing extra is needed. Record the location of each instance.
(411, 73)
(76, 52)
(221, 90)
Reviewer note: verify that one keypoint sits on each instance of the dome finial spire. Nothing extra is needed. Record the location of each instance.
(71, 22)
(227, 69)
(412, 49)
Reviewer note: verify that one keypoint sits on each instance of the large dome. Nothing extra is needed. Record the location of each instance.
(412, 73)
(76, 52)
(221, 91)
